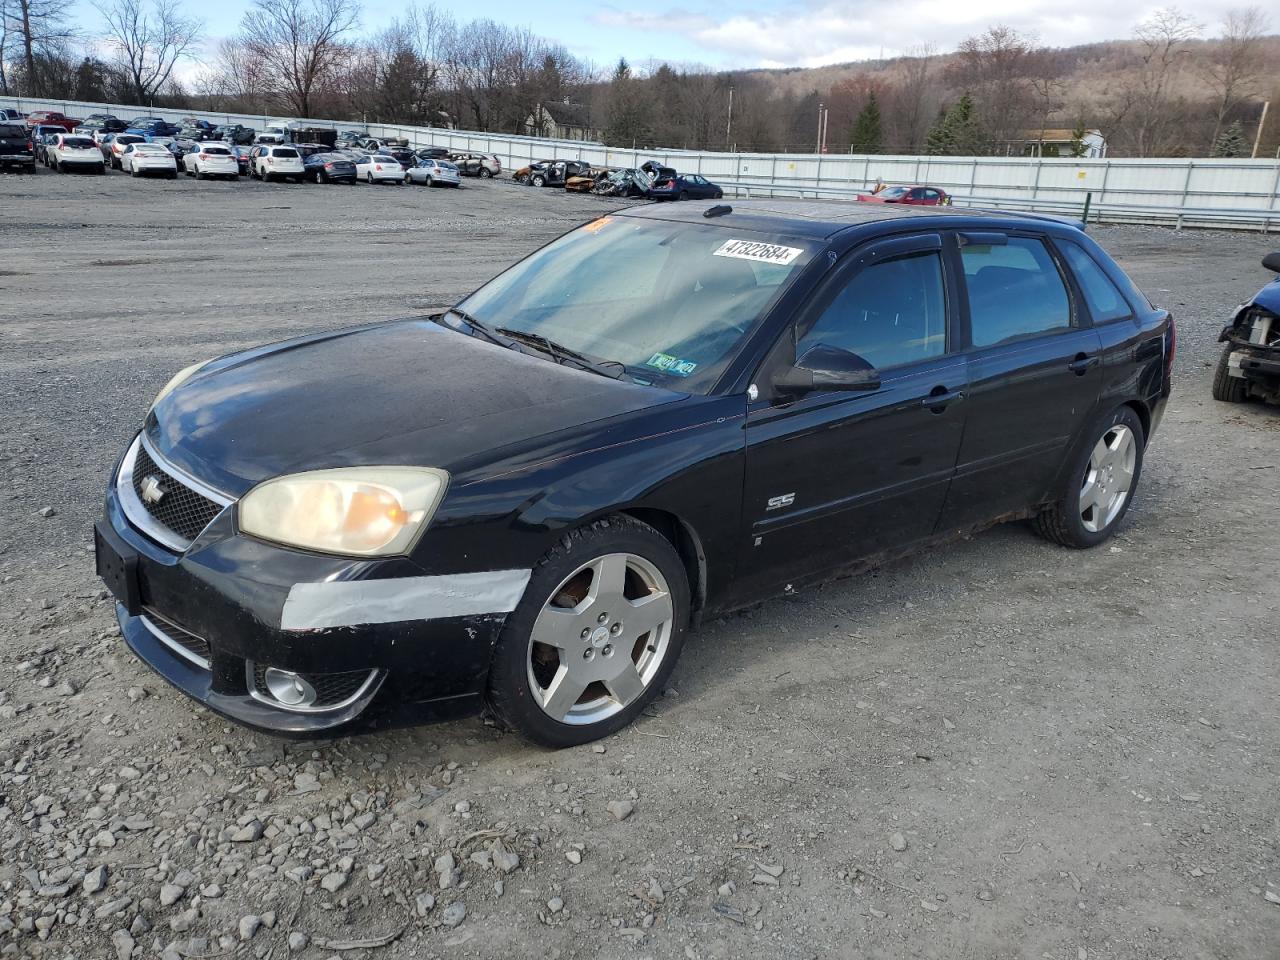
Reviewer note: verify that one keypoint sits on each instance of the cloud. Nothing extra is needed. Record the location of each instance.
(811, 33)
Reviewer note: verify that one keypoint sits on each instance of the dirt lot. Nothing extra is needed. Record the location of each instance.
(1078, 750)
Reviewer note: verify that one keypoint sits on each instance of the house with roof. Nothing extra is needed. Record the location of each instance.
(561, 120)
(1058, 143)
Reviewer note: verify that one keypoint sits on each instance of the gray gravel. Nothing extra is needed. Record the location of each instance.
(1076, 751)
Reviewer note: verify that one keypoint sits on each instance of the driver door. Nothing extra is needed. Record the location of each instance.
(832, 477)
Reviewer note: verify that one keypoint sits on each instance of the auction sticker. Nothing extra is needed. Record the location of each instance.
(673, 365)
(758, 251)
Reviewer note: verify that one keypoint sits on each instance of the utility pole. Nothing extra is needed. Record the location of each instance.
(1262, 122)
(728, 127)
(822, 110)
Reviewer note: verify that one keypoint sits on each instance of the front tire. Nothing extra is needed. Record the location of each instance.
(1101, 484)
(594, 638)
(1227, 388)
(539, 181)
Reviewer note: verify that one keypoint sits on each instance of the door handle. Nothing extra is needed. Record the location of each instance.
(1082, 364)
(940, 398)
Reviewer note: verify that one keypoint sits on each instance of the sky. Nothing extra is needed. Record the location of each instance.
(737, 34)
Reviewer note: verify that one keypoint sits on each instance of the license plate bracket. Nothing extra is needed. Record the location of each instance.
(117, 565)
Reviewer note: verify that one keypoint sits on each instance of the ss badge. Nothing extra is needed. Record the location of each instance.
(780, 501)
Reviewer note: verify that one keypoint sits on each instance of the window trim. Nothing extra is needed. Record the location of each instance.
(1078, 320)
(1130, 317)
(873, 252)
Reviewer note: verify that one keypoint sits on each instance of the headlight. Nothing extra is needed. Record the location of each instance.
(359, 511)
(177, 380)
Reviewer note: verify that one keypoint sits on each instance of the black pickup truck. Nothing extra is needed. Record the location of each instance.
(16, 148)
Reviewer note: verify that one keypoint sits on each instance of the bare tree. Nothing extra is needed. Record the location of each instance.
(302, 42)
(148, 40)
(1163, 42)
(996, 66)
(1236, 67)
(40, 30)
(915, 106)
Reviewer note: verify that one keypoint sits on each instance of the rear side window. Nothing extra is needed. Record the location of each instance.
(889, 314)
(1104, 300)
(1014, 291)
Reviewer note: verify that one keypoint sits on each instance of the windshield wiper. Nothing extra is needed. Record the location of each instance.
(613, 369)
(479, 327)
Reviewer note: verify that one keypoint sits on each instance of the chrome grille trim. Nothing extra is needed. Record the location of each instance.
(158, 631)
(138, 514)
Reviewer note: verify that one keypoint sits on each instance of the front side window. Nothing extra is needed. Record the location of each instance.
(1105, 301)
(1014, 290)
(890, 313)
(672, 302)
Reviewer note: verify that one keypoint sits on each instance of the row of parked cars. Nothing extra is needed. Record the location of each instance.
(651, 180)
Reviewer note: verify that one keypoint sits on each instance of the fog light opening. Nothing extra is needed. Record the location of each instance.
(289, 688)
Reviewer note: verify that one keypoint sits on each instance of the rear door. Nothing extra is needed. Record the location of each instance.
(831, 476)
(1033, 374)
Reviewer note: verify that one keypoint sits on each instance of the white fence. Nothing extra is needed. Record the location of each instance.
(1183, 192)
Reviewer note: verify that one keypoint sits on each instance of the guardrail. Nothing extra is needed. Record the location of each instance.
(1180, 192)
(1177, 217)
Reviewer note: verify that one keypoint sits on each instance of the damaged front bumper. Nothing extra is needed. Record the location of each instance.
(225, 621)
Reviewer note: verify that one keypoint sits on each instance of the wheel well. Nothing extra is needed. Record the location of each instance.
(687, 543)
(1144, 417)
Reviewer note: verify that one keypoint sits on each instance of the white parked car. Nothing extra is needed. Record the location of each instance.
(74, 152)
(118, 144)
(435, 173)
(211, 160)
(142, 159)
(379, 168)
(270, 162)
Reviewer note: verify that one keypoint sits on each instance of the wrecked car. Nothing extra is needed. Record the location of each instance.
(526, 501)
(1250, 362)
(621, 183)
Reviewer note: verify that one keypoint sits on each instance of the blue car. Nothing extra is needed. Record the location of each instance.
(151, 127)
(1250, 363)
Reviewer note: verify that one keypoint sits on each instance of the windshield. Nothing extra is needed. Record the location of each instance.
(893, 193)
(670, 301)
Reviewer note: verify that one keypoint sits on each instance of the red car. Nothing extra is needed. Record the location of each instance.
(51, 118)
(916, 196)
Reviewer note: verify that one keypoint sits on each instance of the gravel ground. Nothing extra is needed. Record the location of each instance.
(999, 749)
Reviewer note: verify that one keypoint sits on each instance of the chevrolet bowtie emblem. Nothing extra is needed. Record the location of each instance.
(151, 491)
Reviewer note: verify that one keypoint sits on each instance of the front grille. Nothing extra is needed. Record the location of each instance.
(180, 508)
(331, 688)
(177, 638)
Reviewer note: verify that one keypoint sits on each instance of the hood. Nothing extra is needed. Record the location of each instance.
(409, 392)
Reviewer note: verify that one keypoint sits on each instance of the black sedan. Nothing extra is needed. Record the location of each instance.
(684, 187)
(329, 168)
(528, 500)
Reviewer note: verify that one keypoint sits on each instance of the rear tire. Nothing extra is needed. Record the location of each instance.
(485, 173)
(684, 195)
(199, 173)
(521, 674)
(1227, 388)
(1088, 512)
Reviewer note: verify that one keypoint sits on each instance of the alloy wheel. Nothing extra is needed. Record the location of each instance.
(1108, 478)
(600, 639)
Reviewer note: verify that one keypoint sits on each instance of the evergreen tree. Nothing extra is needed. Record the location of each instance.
(938, 142)
(964, 133)
(1078, 134)
(866, 129)
(628, 122)
(1231, 142)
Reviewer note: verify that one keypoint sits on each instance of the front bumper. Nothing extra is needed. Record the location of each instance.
(204, 619)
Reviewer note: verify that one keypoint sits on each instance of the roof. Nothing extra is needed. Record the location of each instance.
(820, 219)
(568, 114)
(1056, 135)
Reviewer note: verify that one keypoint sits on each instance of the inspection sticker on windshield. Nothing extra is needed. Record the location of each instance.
(755, 250)
(669, 364)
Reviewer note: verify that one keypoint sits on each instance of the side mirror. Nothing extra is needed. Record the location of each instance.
(825, 367)
(1272, 262)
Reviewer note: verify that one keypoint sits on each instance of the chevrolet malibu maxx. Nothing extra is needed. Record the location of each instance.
(525, 502)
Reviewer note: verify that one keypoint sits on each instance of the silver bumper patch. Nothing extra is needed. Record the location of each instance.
(349, 603)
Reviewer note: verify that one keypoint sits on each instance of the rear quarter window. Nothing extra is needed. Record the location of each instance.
(1105, 301)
